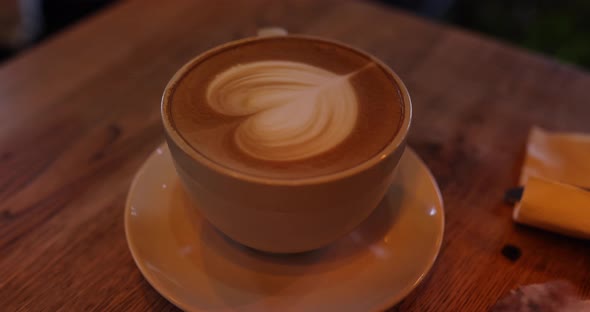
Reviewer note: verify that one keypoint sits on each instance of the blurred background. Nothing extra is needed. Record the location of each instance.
(560, 29)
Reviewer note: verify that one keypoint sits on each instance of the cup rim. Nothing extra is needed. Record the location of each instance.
(173, 134)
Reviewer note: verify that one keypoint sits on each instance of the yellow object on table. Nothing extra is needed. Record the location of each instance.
(555, 175)
(556, 207)
(558, 156)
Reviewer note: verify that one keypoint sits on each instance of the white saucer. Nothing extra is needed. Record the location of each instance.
(198, 269)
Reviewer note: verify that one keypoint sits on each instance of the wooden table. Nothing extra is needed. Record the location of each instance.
(80, 113)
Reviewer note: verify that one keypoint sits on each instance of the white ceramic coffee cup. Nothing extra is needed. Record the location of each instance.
(277, 215)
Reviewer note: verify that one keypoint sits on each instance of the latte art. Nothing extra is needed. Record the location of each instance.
(285, 107)
(294, 110)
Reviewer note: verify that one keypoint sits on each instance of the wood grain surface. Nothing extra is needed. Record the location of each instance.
(80, 113)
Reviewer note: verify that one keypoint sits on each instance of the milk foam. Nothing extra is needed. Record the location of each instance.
(292, 110)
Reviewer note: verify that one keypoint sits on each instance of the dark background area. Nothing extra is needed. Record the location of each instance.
(560, 29)
(557, 28)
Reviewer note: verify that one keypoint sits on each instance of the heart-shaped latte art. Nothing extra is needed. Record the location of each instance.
(294, 110)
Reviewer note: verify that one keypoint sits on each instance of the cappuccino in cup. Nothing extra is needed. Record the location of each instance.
(286, 143)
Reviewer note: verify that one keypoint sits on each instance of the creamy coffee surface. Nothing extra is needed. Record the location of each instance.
(294, 110)
(286, 107)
